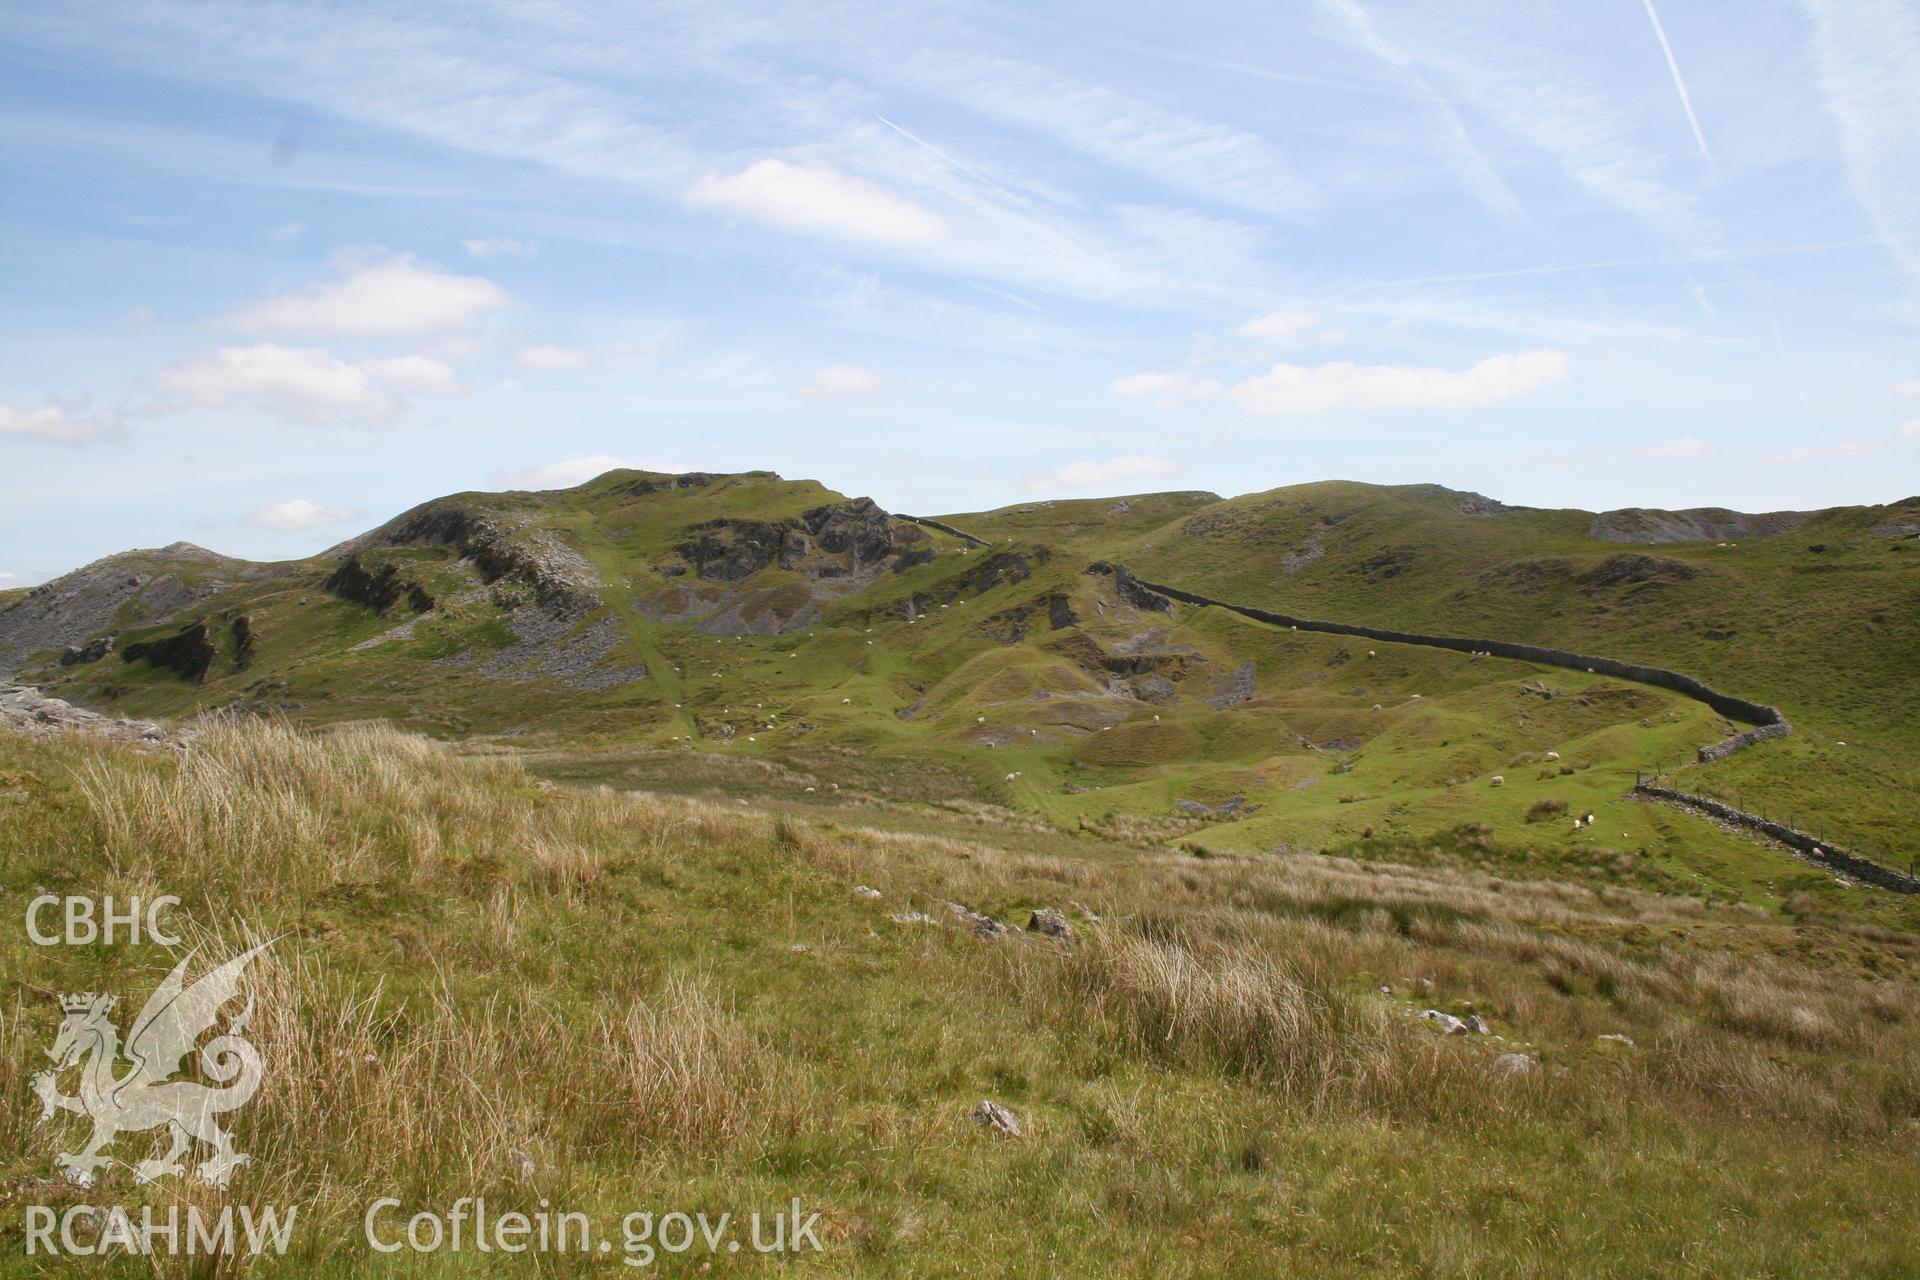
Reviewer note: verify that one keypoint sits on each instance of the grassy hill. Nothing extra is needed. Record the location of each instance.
(748, 635)
(606, 1001)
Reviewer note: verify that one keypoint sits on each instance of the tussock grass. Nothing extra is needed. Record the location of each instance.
(483, 985)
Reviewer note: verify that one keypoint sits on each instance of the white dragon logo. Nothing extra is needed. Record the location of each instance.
(145, 1097)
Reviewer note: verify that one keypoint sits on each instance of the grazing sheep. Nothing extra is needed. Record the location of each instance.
(979, 719)
(1372, 654)
(1499, 781)
(846, 702)
(1553, 755)
(1577, 824)
(1376, 706)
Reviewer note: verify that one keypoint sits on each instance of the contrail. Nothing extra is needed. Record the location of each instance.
(975, 174)
(1686, 101)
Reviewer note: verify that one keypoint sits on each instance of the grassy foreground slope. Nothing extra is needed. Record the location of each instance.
(611, 1000)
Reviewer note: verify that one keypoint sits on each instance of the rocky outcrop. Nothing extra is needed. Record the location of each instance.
(26, 710)
(504, 547)
(1695, 524)
(131, 589)
(379, 588)
(189, 652)
(80, 655)
(852, 540)
(1130, 588)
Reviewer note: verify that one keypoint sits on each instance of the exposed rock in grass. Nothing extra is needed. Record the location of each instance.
(996, 1117)
(26, 710)
(1446, 1022)
(1050, 923)
(76, 655)
(983, 926)
(1515, 1064)
(1695, 524)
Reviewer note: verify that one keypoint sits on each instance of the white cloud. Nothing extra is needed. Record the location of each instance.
(1909, 388)
(1293, 388)
(393, 296)
(575, 471)
(298, 513)
(1911, 427)
(545, 359)
(289, 231)
(1167, 389)
(8, 579)
(840, 383)
(1281, 328)
(500, 247)
(59, 422)
(818, 201)
(415, 373)
(1092, 474)
(302, 383)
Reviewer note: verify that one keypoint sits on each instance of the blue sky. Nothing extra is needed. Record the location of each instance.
(275, 271)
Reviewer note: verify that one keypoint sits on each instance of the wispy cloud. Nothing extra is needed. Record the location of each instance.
(297, 514)
(303, 384)
(1495, 68)
(576, 471)
(818, 201)
(841, 383)
(1096, 474)
(1867, 52)
(415, 373)
(1297, 389)
(1167, 389)
(389, 296)
(551, 359)
(1288, 389)
(500, 247)
(69, 422)
(1217, 162)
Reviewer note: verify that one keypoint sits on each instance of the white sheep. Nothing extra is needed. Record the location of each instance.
(1553, 755)
(846, 702)
(1372, 654)
(1499, 781)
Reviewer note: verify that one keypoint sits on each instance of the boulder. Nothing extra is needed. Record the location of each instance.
(1050, 923)
(998, 1118)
